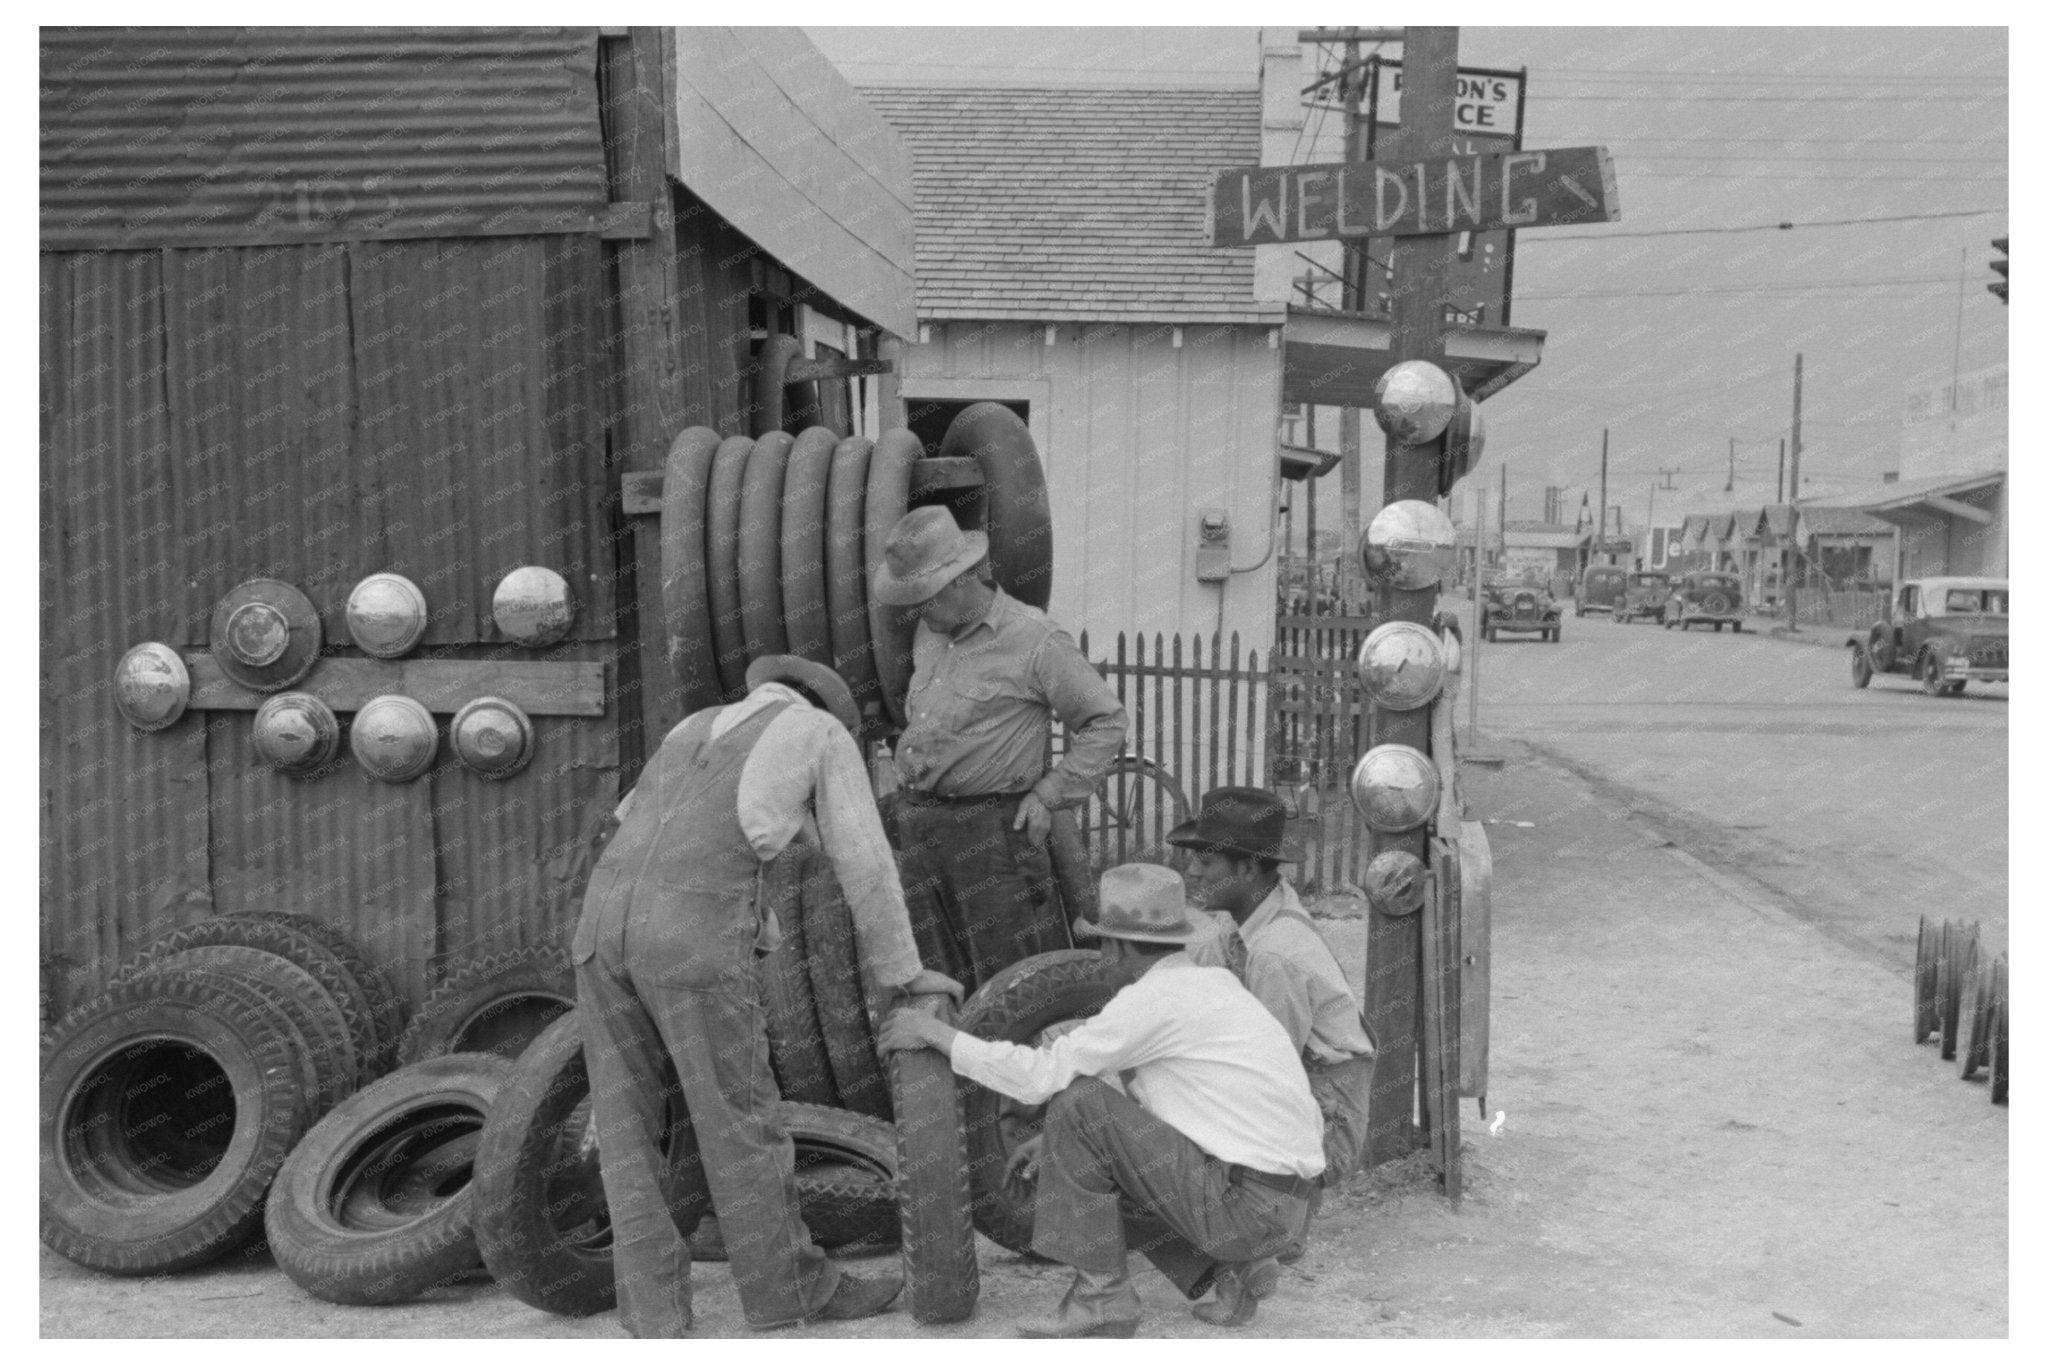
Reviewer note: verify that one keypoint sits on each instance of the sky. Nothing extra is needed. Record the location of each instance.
(1678, 342)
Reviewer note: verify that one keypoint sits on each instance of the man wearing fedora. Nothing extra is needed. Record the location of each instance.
(1202, 1158)
(989, 676)
(1237, 844)
(665, 973)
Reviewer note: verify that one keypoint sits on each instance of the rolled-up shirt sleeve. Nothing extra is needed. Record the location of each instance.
(1086, 704)
(1125, 1034)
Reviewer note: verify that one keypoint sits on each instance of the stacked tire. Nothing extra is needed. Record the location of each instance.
(769, 546)
(170, 1101)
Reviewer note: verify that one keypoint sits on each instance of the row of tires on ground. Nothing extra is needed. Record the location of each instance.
(1961, 1002)
(225, 1091)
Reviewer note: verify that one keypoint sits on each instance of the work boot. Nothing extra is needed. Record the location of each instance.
(855, 1297)
(1239, 1287)
(1096, 1305)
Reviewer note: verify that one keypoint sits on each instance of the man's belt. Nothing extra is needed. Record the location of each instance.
(1300, 1186)
(918, 798)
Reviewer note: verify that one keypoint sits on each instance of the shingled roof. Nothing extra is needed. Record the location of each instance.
(1055, 204)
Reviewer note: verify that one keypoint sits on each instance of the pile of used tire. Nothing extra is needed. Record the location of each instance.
(230, 1084)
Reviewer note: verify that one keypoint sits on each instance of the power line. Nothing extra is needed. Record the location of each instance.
(1750, 289)
(1832, 160)
(1908, 101)
(1861, 78)
(1755, 227)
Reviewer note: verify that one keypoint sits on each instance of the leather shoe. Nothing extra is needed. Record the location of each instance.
(855, 1297)
(1238, 1291)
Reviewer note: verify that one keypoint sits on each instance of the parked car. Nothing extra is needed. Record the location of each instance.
(1702, 596)
(1645, 597)
(1943, 631)
(1519, 608)
(1600, 589)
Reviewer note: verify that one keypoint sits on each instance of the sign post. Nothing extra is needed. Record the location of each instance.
(1421, 193)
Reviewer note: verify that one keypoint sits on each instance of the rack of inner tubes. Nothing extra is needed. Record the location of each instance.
(1961, 1000)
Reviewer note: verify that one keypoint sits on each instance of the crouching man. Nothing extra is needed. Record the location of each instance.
(1205, 1154)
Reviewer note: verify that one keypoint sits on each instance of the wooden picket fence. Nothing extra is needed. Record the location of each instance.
(1206, 714)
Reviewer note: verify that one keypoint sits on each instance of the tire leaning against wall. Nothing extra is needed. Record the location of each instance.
(357, 990)
(498, 1003)
(152, 1035)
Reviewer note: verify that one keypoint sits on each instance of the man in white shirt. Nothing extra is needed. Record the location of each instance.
(665, 973)
(1203, 1159)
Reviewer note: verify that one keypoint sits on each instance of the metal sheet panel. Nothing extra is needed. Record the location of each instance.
(343, 848)
(126, 857)
(775, 139)
(209, 136)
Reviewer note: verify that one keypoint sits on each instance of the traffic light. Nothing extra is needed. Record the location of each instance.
(2001, 263)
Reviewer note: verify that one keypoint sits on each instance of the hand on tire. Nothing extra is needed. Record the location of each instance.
(1022, 1167)
(929, 982)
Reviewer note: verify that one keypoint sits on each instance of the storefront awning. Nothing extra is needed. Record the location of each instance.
(1334, 359)
(1923, 500)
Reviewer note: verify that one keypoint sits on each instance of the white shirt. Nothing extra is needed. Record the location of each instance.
(1204, 1056)
(803, 759)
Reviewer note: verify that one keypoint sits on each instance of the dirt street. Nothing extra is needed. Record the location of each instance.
(1707, 1118)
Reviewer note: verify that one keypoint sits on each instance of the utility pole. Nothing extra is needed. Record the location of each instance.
(1791, 577)
(1350, 448)
(1420, 265)
(1781, 469)
(1600, 535)
(1730, 487)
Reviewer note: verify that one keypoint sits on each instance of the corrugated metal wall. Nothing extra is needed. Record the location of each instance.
(315, 414)
(1140, 435)
(201, 136)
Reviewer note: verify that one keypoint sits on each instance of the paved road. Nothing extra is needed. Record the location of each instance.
(1860, 810)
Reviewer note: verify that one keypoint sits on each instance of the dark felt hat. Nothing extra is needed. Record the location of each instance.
(1245, 822)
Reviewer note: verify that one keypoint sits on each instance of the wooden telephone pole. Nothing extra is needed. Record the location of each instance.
(1420, 266)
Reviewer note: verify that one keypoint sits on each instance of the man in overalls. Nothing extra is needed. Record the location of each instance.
(665, 971)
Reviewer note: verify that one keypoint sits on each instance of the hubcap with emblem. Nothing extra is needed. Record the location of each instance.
(1401, 665)
(265, 635)
(151, 686)
(393, 738)
(296, 732)
(492, 737)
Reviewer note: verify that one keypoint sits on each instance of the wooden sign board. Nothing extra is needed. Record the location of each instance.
(1481, 192)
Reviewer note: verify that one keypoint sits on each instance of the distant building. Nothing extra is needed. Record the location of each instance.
(1949, 500)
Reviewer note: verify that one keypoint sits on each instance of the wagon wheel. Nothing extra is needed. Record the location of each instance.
(1924, 978)
(1138, 797)
(1859, 666)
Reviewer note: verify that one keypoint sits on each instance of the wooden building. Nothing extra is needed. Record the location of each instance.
(323, 303)
(1063, 269)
